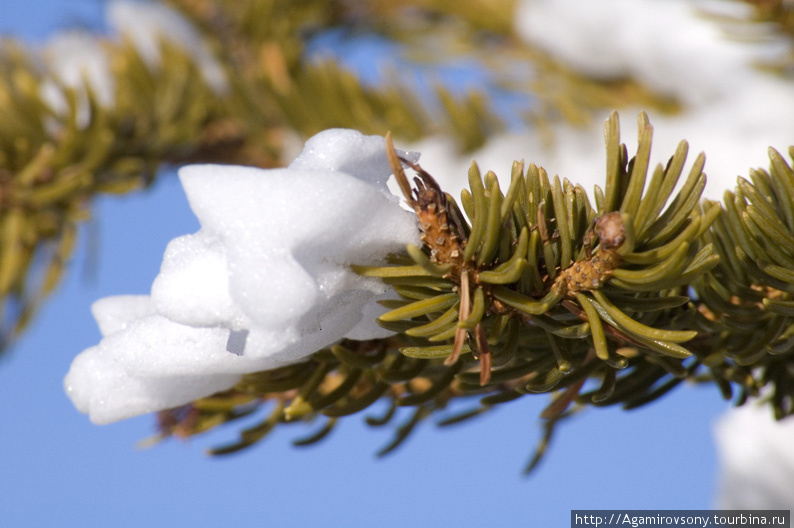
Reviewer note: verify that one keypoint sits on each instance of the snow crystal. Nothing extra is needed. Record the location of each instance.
(265, 282)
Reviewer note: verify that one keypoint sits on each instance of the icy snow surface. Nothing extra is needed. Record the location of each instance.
(265, 282)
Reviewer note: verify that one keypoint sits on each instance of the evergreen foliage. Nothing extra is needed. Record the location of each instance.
(537, 288)
(541, 291)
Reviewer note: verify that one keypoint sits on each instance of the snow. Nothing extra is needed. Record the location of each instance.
(148, 23)
(76, 61)
(756, 459)
(664, 44)
(79, 61)
(265, 282)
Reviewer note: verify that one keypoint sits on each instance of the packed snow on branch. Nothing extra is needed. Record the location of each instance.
(265, 282)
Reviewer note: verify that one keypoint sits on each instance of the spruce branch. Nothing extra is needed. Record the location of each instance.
(519, 288)
(537, 290)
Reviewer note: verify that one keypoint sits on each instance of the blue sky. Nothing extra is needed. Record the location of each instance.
(57, 469)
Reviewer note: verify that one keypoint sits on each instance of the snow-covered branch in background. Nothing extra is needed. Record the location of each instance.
(79, 60)
(265, 282)
(148, 24)
(731, 107)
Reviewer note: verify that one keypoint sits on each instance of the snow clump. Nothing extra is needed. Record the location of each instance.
(265, 282)
(755, 458)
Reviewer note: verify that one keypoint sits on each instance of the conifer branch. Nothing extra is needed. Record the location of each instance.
(540, 291)
(520, 287)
